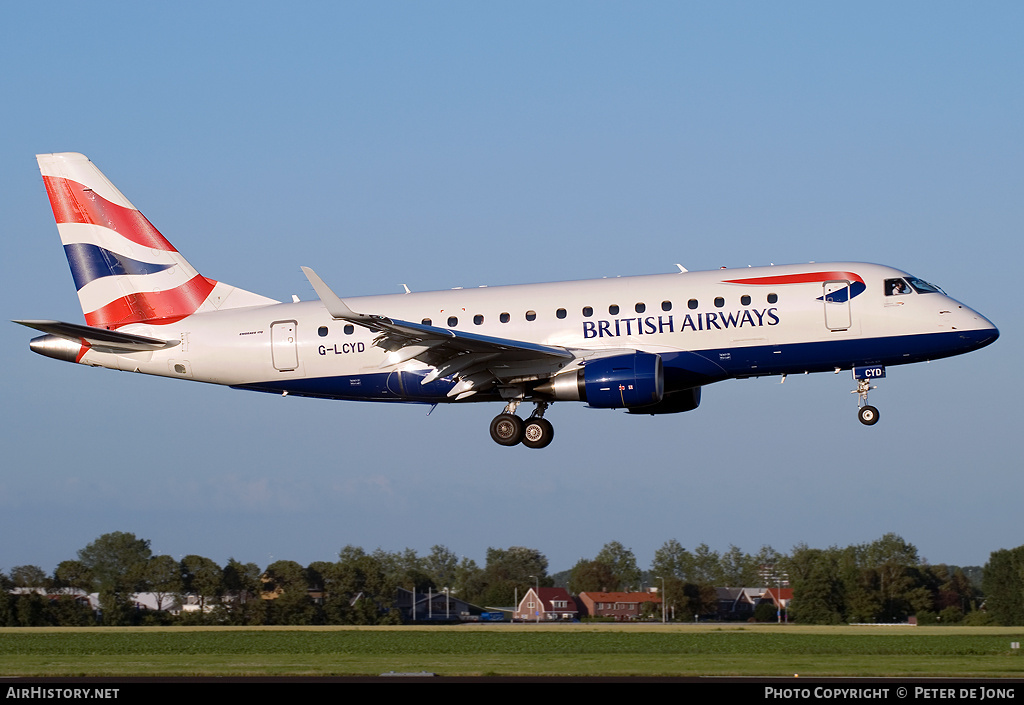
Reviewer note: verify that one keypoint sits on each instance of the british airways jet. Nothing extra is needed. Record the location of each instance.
(646, 344)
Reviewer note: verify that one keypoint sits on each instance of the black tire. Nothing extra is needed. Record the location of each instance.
(537, 433)
(507, 429)
(868, 415)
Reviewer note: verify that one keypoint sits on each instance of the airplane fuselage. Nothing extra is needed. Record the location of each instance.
(706, 326)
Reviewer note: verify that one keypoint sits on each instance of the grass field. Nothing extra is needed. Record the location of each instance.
(583, 650)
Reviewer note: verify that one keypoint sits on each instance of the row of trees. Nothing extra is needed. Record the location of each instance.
(881, 581)
(358, 588)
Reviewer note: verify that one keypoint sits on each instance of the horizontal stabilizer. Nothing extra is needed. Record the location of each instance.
(100, 339)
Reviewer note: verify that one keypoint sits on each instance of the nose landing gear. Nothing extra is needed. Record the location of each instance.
(867, 414)
(507, 429)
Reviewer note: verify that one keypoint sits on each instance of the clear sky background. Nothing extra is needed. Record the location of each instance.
(462, 143)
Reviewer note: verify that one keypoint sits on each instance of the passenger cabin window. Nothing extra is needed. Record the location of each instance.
(666, 305)
(560, 313)
(531, 315)
(349, 330)
(588, 311)
(773, 298)
(692, 303)
(745, 300)
(322, 331)
(896, 287)
(453, 321)
(719, 302)
(640, 308)
(426, 322)
(614, 309)
(478, 319)
(504, 318)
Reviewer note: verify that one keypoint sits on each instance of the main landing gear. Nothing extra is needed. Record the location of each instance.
(867, 414)
(507, 429)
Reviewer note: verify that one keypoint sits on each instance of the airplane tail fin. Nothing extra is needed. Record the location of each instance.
(124, 269)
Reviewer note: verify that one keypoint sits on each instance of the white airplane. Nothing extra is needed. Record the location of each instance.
(646, 344)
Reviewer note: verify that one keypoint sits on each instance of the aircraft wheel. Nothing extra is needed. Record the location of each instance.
(868, 415)
(507, 429)
(537, 433)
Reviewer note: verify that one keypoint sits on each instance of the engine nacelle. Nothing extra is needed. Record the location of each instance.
(673, 403)
(619, 382)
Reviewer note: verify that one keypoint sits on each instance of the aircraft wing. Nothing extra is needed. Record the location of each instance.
(100, 339)
(475, 360)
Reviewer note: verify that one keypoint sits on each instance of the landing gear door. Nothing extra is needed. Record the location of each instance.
(283, 345)
(837, 305)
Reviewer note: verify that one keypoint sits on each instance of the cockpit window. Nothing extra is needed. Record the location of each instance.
(923, 287)
(896, 287)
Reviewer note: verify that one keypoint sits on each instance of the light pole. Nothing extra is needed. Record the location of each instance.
(536, 612)
(662, 598)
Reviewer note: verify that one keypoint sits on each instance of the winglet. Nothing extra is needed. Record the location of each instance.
(335, 306)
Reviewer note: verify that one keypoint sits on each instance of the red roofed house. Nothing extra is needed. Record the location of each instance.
(549, 605)
(620, 605)
(780, 597)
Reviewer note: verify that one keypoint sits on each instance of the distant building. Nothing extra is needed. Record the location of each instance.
(623, 606)
(780, 597)
(434, 606)
(739, 603)
(547, 605)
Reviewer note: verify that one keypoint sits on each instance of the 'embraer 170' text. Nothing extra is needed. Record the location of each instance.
(648, 325)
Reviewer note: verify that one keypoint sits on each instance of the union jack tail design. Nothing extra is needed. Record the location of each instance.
(124, 269)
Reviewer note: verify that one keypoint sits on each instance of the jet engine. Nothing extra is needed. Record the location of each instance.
(619, 382)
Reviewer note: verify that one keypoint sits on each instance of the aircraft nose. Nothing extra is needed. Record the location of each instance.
(978, 329)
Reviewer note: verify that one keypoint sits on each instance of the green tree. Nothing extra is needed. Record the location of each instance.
(163, 574)
(622, 563)
(7, 614)
(243, 590)
(117, 563)
(896, 562)
(72, 575)
(68, 611)
(29, 576)
(292, 605)
(739, 569)
(672, 561)
(442, 566)
(592, 576)
(707, 566)
(1004, 586)
(689, 592)
(818, 596)
(204, 579)
(364, 592)
(405, 569)
(511, 570)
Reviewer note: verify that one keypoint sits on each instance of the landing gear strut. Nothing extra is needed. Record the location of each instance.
(867, 414)
(507, 429)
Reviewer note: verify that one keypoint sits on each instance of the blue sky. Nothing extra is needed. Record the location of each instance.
(456, 144)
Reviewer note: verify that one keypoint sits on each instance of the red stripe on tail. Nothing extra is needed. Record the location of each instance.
(156, 307)
(74, 203)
